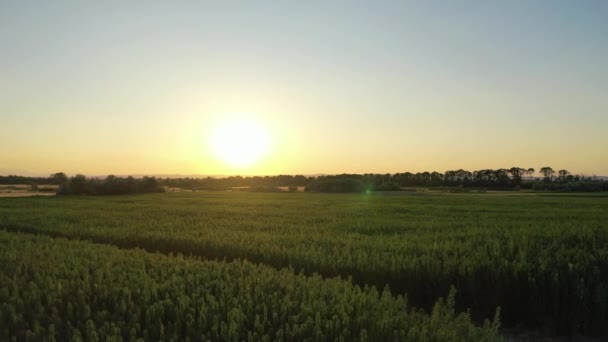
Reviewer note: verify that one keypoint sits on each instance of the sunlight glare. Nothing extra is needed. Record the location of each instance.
(240, 142)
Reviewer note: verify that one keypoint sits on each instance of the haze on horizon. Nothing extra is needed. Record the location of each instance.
(390, 86)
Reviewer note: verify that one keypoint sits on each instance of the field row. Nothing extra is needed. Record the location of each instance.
(63, 290)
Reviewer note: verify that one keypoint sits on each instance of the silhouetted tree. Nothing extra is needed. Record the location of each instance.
(58, 178)
(111, 185)
(530, 172)
(562, 175)
(517, 173)
(547, 173)
(78, 184)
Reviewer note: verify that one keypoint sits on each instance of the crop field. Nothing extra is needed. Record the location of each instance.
(292, 266)
(24, 190)
(79, 290)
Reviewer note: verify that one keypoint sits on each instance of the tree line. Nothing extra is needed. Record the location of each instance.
(111, 185)
(514, 178)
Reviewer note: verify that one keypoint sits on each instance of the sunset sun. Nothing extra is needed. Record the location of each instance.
(240, 142)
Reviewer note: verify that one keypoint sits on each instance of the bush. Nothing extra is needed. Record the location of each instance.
(264, 188)
(112, 185)
(580, 186)
(336, 185)
(388, 186)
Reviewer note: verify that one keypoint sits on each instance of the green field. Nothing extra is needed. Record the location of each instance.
(54, 288)
(543, 258)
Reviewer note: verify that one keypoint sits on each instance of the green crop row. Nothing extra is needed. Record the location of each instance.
(55, 289)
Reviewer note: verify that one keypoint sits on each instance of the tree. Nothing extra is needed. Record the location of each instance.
(502, 177)
(516, 173)
(563, 176)
(427, 178)
(58, 178)
(530, 172)
(436, 178)
(547, 173)
(78, 184)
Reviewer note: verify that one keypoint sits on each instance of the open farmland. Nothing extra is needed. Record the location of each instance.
(24, 190)
(541, 257)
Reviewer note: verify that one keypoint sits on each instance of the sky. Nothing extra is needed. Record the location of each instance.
(141, 87)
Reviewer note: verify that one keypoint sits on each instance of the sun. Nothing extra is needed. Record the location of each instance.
(240, 142)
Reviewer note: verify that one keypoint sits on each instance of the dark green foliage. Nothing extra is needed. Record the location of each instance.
(514, 178)
(336, 185)
(388, 186)
(13, 179)
(55, 179)
(54, 289)
(573, 186)
(112, 185)
(58, 178)
(226, 183)
(353, 183)
(541, 258)
(262, 188)
(499, 179)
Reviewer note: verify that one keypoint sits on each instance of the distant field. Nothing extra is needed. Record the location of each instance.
(24, 190)
(543, 258)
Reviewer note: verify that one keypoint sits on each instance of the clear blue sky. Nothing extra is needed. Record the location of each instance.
(341, 86)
